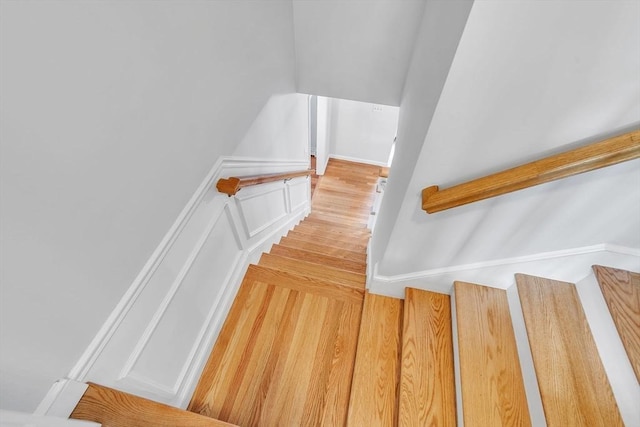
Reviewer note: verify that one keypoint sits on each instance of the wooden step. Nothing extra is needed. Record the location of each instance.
(307, 269)
(427, 385)
(330, 222)
(621, 291)
(346, 236)
(336, 220)
(312, 285)
(349, 245)
(113, 408)
(284, 356)
(374, 389)
(322, 249)
(493, 391)
(573, 384)
(334, 229)
(316, 258)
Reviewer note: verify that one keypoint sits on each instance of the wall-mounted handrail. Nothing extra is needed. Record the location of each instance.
(232, 185)
(590, 157)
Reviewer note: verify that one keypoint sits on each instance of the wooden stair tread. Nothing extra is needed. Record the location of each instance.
(308, 269)
(114, 408)
(427, 385)
(349, 245)
(317, 258)
(621, 291)
(308, 226)
(362, 239)
(325, 221)
(492, 385)
(335, 252)
(284, 357)
(261, 274)
(573, 385)
(374, 389)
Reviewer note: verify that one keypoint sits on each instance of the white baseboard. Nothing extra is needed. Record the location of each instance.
(115, 356)
(570, 265)
(358, 160)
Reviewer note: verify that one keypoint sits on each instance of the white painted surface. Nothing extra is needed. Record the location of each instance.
(324, 132)
(62, 398)
(569, 265)
(156, 342)
(21, 419)
(612, 353)
(112, 114)
(528, 78)
(361, 131)
(440, 31)
(357, 49)
(280, 131)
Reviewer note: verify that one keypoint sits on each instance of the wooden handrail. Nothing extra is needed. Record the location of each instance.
(232, 185)
(594, 156)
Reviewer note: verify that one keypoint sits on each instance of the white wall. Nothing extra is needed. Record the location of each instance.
(280, 131)
(112, 114)
(361, 131)
(323, 135)
(528, 78)
(357, 49)
(440, 31)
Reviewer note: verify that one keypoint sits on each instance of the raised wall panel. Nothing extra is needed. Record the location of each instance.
(158, 338)
(163, 353)
(298, 190)
(261, 207)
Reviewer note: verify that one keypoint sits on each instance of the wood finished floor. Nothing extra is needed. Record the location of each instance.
(285, 355)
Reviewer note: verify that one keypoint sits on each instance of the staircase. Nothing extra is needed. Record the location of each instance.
(305, 344)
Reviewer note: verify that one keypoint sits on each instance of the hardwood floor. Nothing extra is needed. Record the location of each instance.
(285, 355)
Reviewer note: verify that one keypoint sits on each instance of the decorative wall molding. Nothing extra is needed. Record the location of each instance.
(144, 320)
(570, 265)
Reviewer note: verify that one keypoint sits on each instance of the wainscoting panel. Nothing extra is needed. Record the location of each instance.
(298, 194)
(158, 338)
(185, 310)
(261, 207)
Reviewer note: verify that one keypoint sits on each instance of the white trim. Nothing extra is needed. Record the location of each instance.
(61, 399)
(571, 265)
(357, 160)
(241, 198)
(224, 166)
(170, 295)
(13, 418)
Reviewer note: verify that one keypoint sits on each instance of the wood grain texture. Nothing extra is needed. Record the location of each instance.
(354, 245)
(333, 251)
(427, 387)
(573, 385)
(318, 258)
(285, 354)
(374, 390)
(317, 271)
(492, 386)
(621, 291)
(594, 156)
(113, 408)
(231, 186)
(284, 357)
(301, 283)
